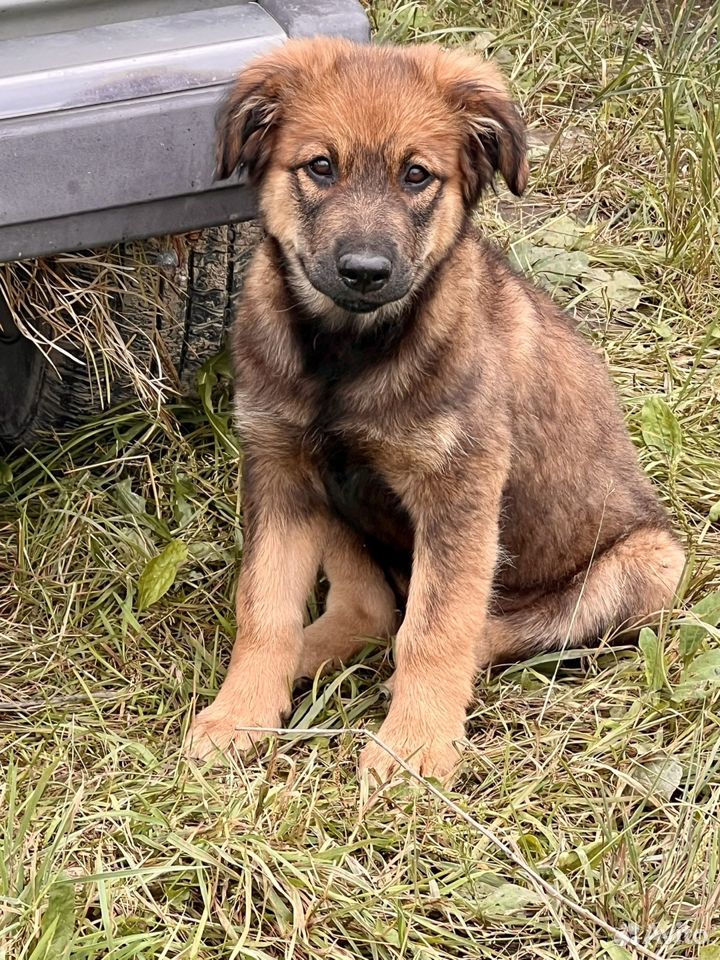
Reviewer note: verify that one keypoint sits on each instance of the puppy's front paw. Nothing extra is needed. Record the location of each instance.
(427, 750)
(219, 728)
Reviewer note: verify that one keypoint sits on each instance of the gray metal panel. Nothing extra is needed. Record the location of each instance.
(135, 163)
(30, 18)
(131, 59)
(309, 18)
(128, 152)
(100, 228)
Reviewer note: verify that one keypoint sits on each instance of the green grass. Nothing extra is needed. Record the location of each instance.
(602, 776)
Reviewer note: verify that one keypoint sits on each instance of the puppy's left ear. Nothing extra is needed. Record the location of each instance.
(495, 131)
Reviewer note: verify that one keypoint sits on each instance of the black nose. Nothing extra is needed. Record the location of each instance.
(364, 271)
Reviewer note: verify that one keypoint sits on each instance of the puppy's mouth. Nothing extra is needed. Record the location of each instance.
(357, 306)
(349, 301)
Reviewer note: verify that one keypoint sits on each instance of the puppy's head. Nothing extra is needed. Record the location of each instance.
(367, 159)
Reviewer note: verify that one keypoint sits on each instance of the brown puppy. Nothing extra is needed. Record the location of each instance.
(417, 419)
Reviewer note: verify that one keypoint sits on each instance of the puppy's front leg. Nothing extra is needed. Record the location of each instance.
(456, 542)
(284, 538)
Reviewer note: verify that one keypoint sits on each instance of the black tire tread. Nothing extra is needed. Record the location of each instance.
(173, 317)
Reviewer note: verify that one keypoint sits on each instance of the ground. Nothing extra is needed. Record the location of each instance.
(595, 778)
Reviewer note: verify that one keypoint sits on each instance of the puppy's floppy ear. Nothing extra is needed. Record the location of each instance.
(248, 117)
(495, 131)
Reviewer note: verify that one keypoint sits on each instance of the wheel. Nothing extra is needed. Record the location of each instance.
(31, 390)
(140, 317)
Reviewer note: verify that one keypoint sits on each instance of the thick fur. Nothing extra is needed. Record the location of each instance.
(448, 448)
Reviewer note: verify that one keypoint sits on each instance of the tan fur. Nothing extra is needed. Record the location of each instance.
(639, 572)
(360, 605)
(281, 563)
(450, 446)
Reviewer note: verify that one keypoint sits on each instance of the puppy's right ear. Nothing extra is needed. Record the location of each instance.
(248, 118)
(495, 133)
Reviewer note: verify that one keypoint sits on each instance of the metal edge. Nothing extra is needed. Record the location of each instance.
(309, 18)
(99, 228)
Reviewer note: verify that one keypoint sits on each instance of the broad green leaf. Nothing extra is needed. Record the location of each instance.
(206, 380)
(660, 428)
(616, 952)
(523, 255)
(563, 232)
(653, 653)
(159, 574)
(207, 551)
(663, 330)
(709, 952)
(222, 365)
(690, 636)
(660, 775)
(700, 678)
(58, 923)
(183, 490)
(551, 266)
(561, 267)
(506, 900)
(591, 854)
(531, 845)
(624, 290)
(619, 288)
(481, 41)
(130, 502)
(714, 514)
(6, 473)
(595, 279)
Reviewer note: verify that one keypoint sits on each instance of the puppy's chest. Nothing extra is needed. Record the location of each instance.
(360, 493)
(356, 459)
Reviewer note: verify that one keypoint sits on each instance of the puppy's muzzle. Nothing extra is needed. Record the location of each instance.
(364, 272)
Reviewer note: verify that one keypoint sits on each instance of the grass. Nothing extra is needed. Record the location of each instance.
(600, 775)
(77, 295)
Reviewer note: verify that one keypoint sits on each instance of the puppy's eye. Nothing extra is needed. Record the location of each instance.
(321, 168)
(417, 176)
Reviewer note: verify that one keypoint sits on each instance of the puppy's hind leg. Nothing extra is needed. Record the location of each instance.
(628, 585)
(360, 604)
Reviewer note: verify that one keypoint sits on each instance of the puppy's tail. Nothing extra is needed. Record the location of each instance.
(628, 585)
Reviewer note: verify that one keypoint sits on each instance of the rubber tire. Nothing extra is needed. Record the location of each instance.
(23, 390)
(198, 277)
